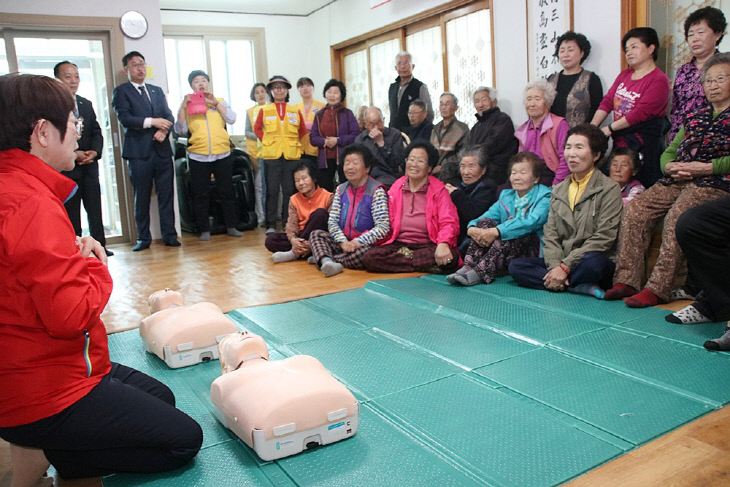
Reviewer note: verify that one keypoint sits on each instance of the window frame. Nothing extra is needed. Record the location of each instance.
(434, 17)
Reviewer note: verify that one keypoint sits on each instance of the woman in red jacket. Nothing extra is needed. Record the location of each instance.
(63, 402)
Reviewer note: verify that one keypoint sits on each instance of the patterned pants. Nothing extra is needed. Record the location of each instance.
(408, 257)
(488, 261)
(637, 224)
(323, 245)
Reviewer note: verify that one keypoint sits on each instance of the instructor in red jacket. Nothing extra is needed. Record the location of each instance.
(63, 402)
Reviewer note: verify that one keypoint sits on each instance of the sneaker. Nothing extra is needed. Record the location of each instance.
(270, 230)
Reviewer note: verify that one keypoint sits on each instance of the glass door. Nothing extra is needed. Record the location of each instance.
(38, 53)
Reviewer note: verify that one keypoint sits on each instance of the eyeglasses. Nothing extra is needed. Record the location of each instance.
(719, 80)
(403, 63)
(78, 125)
(138, 65)
(417, 161)
(278, 87)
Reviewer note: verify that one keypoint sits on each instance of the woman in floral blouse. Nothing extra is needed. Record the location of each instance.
(703, 31)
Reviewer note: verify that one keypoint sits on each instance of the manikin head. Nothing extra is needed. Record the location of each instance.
(165, 299)
(238, 349)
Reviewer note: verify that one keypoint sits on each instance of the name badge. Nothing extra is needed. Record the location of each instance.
(273, 117)
(293, 120)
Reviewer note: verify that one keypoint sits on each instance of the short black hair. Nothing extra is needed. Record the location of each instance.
(714, 18)
(646, 35)
(310, 167)
(625, 151)
(367, 156)
(304, 80)
(130, 55)
(57, 67)
(253, 90)
(597, 140)
(27, 98)
(337, 83)
(431, 151)
(536, 163)
(579, 39)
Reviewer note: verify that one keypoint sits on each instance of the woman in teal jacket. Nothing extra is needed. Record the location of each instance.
(510, 228)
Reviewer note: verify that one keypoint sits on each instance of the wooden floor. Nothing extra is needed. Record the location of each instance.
(238, 272)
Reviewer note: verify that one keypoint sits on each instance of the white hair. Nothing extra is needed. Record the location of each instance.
(543, 85)
(403, 54)
(492, 92)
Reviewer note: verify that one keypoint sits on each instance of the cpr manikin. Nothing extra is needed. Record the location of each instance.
(183, 335)
(282, 407)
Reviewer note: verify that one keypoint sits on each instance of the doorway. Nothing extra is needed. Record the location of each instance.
(37, 52)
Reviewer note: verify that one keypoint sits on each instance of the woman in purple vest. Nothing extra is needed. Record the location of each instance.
(697, 170)
(544, 133)
(358, 218)
(334, 128)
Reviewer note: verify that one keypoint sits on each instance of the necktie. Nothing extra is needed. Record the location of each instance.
(145, 98)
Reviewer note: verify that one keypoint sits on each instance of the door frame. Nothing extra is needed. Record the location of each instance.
(107, 30)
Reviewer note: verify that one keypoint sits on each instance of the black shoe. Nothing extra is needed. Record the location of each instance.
(109, 253)
(141, 246)
(172, 243)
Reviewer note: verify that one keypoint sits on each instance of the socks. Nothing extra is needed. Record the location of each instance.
(721, 344)
(469, 278)
(287, 256)
(589, 290)
(311, 260)
(644, 299)
(680, 293)
(451, 278)
(204, 236)
(330, 268)
(232, 232)
(688, 315)
(619, 291)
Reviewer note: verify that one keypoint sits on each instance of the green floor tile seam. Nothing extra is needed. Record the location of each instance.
(636, 376)
(634, 331)
(496, 327)
(313, 303)
(428, 443)
(563, 416)
(417, 348)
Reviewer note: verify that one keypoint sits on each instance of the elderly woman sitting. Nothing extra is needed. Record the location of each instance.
(308, 211)
(476, 192)
(544, 133)
(423, 220)
(358, 218)
(624, 164)
(585, 212)
(511, 228)
(696, 165)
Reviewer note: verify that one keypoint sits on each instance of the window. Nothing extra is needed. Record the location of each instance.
(452, 51)
(234, 63)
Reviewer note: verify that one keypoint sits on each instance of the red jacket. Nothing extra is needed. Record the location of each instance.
(54, 344)
(442, 220)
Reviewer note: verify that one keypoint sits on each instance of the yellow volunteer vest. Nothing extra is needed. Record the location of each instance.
(208, 133)
(253, 145)
(281, 137)
(307, 146)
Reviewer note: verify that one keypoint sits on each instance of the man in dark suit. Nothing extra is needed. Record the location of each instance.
(86, 171)
(143, 112)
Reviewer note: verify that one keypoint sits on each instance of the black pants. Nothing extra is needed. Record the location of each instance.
(279, 173)
(143, 172)
(86, 177)
(200, 184)
(593, 268)
(703, 232)
(127, 423)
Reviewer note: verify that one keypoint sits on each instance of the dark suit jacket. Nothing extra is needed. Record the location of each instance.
(91, 138)
(131, 111)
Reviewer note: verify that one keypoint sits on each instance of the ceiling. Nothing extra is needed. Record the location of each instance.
(272, 7)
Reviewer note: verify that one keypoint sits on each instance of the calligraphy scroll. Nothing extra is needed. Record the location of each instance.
(546, 21)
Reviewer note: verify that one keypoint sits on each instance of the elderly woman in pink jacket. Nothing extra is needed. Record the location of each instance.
(423, 220)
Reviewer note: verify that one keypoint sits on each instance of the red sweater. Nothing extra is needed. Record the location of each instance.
(637, 100)
(54, 344)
